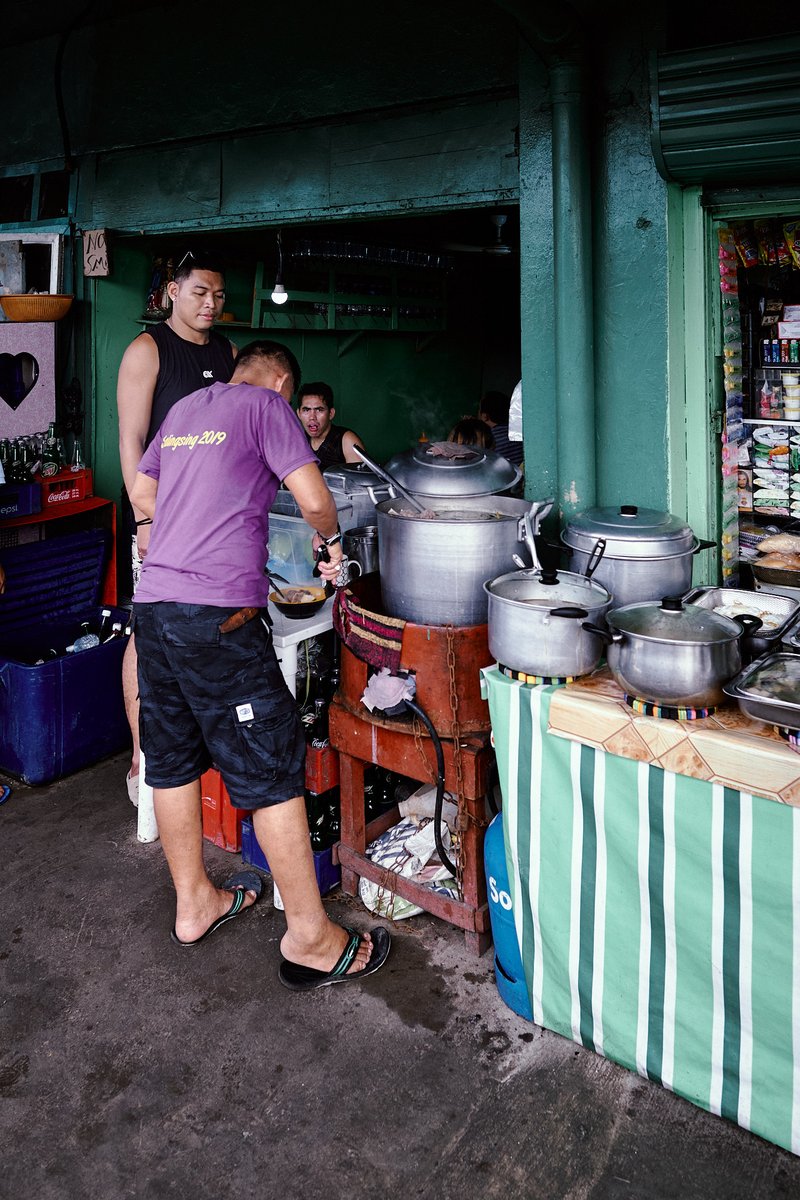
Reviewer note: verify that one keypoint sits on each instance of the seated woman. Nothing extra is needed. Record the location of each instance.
(472, 431)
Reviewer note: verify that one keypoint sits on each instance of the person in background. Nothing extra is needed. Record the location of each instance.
(331, 443)
(472, 431)
(210, 684)
(494, 411)
(162, 365)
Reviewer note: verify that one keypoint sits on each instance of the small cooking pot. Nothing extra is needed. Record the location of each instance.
(540, 622)
(674, 654)
(309, 600)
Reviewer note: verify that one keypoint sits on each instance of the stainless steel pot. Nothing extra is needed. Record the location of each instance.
(448, 469)
(433, 569)
(675, 654)
(649, 554)
(538, 622)
(354, 484)
(361, 546)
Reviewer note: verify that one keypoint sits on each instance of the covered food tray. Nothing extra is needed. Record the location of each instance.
(777, 613)
(769, 689)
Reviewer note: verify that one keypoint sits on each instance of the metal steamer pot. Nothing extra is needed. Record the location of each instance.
(448, 469)
(649, 554)
(433, 567)
(538, 622)
(674, 654)
(355, 484)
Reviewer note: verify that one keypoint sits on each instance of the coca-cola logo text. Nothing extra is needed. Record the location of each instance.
(60, 497)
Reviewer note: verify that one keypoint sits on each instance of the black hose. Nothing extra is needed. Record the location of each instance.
(437, 812)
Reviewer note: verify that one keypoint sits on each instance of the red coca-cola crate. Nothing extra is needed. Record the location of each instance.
(66, 487)
(222, 823)
(322, 768)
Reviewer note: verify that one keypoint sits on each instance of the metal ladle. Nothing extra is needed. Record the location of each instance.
(387, 478)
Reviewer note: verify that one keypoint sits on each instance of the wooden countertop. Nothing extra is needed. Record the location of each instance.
(727, 748)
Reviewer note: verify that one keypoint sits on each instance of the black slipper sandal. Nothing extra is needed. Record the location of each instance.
(305, 979)
(240, 884)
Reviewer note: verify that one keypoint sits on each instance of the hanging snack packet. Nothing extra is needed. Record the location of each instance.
(791, 231)
(745, 242)
(773, 249)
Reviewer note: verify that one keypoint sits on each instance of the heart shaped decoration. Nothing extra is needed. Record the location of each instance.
(18, 375)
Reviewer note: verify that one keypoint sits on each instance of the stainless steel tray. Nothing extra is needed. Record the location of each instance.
(758, 602)
(758, 703)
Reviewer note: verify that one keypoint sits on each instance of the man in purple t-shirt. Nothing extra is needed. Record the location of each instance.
(210, 686)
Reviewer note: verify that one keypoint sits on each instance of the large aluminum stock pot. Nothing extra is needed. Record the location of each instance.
(537, 622)
(674, 654)
(433, 566)
(649, 554)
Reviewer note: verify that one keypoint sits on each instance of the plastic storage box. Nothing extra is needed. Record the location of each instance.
(222, 823)
(290, 552)
(19, 499)
(67, 712)
(328, 873)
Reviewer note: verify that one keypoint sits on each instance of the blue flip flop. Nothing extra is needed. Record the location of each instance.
(305, 979)
(240, 884)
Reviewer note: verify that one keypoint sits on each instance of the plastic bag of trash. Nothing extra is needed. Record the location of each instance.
(409, 849)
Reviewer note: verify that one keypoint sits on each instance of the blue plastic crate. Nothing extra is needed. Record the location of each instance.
(19, 499)
(68, 712)
(329, 875)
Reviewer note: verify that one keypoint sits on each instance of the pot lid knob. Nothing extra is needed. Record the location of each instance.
(629, 510)
(548, 576)
(672, 604)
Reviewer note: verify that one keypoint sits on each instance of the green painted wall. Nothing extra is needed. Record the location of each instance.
(389, 388)
(354, 116)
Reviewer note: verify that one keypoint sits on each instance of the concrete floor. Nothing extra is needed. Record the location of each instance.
(130, 1068)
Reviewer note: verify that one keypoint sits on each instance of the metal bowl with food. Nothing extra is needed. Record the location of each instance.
(299, 600)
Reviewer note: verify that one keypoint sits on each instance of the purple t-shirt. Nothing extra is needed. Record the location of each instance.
(219, 458)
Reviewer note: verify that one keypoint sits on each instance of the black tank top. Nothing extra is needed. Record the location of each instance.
(185, 367)
(331, 452)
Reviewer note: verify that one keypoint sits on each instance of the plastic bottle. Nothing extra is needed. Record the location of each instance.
(85, 642)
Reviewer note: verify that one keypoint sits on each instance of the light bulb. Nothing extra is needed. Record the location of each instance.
(279, 294)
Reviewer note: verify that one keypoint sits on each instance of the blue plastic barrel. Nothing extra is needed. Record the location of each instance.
(507, 958)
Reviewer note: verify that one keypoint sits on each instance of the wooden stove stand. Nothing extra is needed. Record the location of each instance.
(363, 739)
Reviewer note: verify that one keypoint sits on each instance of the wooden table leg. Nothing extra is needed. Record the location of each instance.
(352, 819)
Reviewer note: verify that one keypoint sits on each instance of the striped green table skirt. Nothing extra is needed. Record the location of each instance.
(658, 916)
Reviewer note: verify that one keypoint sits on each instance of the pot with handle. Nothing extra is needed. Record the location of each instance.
(433, 565)
(649, 554)
(674, 654)
(541, 622)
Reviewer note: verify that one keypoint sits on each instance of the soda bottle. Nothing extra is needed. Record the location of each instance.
(51, 461)
(319, 728)
(333, 815)
(317, 813)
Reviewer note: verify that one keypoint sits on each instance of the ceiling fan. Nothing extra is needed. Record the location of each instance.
(497, 246)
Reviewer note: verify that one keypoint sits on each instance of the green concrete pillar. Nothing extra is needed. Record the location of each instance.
(573, 290)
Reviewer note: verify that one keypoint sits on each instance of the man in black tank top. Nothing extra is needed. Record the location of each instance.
(331, 443)
(160, 367)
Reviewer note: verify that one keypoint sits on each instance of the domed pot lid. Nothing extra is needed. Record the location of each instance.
(670, 620)
(352, 478)
(548, 590)
(449, 469)
(629, 532)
